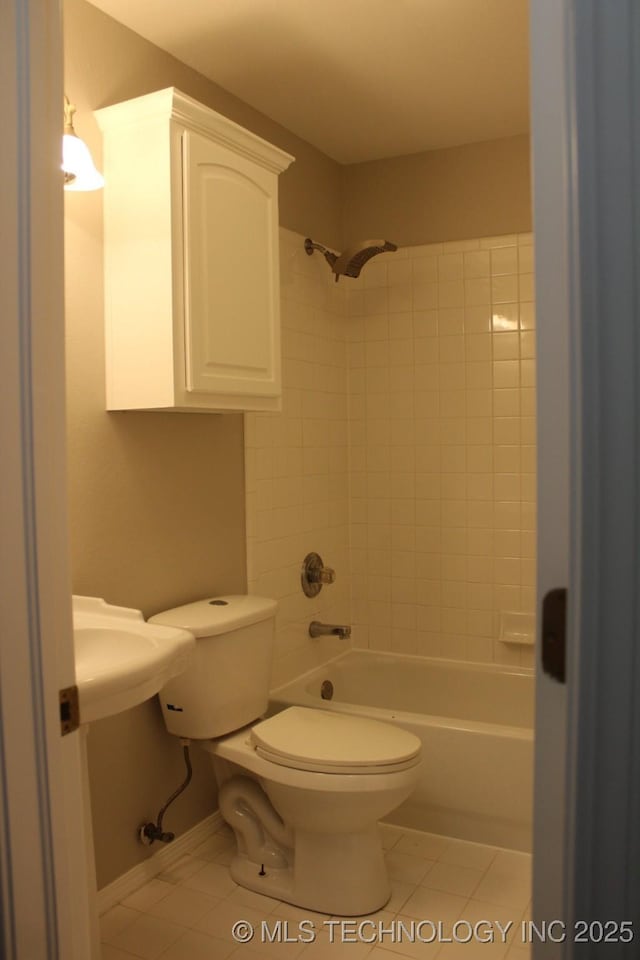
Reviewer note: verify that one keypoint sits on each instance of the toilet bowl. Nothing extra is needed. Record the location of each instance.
(302, 790)
(307, 807)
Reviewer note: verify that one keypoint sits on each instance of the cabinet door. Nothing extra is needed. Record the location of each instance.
(231, 272)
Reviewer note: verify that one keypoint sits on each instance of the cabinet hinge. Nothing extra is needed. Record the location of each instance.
(69, 710)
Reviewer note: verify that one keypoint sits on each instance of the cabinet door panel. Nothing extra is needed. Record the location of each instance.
(231, 304)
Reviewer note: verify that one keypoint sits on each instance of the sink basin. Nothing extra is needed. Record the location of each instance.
(121, 660)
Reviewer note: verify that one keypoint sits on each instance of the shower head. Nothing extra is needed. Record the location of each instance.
(351, 262)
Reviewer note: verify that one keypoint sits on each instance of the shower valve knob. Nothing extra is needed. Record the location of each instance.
(315, 574)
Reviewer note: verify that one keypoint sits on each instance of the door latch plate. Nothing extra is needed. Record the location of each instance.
(69, 710)
(554, 633)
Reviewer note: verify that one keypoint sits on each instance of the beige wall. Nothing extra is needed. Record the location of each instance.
(477, 190)
(156, 500)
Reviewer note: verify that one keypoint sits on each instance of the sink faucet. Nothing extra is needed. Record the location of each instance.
(317, 629)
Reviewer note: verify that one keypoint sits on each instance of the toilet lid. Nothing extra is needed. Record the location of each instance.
(327, 742)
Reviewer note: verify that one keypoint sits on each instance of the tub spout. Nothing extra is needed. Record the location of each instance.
(317, 629)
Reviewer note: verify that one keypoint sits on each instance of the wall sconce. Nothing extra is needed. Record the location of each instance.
(77, 163)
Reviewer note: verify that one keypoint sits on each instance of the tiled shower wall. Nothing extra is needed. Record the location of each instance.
(405, 452)
(297, 464)
(442, 447)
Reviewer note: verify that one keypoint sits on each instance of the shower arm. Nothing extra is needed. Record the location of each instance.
(310, 246)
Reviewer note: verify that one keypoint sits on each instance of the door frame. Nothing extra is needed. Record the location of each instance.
(43, 853)
(603, 826)
(551, 119)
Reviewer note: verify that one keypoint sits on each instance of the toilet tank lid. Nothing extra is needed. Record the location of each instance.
(208, 618)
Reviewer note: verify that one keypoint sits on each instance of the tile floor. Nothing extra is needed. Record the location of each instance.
(187, 912)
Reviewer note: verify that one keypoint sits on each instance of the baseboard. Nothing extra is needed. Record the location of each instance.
(164, 856)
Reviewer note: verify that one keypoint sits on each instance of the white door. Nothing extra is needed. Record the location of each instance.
(43, 898)
(586, 149)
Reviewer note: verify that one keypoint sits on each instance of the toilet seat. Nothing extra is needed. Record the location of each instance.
(324, 742)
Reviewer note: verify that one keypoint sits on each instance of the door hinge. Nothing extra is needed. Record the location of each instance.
(69, 710)
(554, 633)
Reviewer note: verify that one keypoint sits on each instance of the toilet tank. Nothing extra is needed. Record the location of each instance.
(227, 685)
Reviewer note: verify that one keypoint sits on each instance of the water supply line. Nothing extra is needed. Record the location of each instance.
(149, 832)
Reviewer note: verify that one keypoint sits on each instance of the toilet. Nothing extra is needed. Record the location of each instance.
(303, 790)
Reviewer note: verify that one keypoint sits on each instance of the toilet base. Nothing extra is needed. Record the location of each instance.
(342, 874)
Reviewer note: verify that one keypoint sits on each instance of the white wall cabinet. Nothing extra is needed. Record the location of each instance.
(192, 283)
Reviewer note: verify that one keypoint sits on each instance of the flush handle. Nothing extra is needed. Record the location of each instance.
(554, 633)
(315, 574)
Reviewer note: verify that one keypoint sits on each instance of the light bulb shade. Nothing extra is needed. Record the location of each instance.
(78, 164)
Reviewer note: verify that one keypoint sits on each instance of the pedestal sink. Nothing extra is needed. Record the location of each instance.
(121, 660)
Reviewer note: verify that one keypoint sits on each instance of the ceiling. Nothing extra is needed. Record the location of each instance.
(359, 79)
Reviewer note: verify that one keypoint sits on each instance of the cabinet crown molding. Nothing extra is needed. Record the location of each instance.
(171, 104)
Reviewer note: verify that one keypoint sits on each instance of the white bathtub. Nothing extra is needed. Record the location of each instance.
(475, 722)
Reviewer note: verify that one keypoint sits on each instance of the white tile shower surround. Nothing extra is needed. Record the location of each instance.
(186, 913)
(405, 452)
(442, 447)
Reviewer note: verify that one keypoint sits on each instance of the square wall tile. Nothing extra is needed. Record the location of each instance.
(527, 316)
(478, 347)
(504, 289)
(477, 263)
(527, 286)
(505, 317)
(450, 267)
(525, 258)
(506, 346)
(451, 321)
(425, 297)
(477, 319)
(504, 260)
(506, 373)
(477, 292)
(506, 403)
(527, 344)
(451, 293)
(424, 269)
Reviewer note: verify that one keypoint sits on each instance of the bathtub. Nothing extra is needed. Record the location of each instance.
(475, 722)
